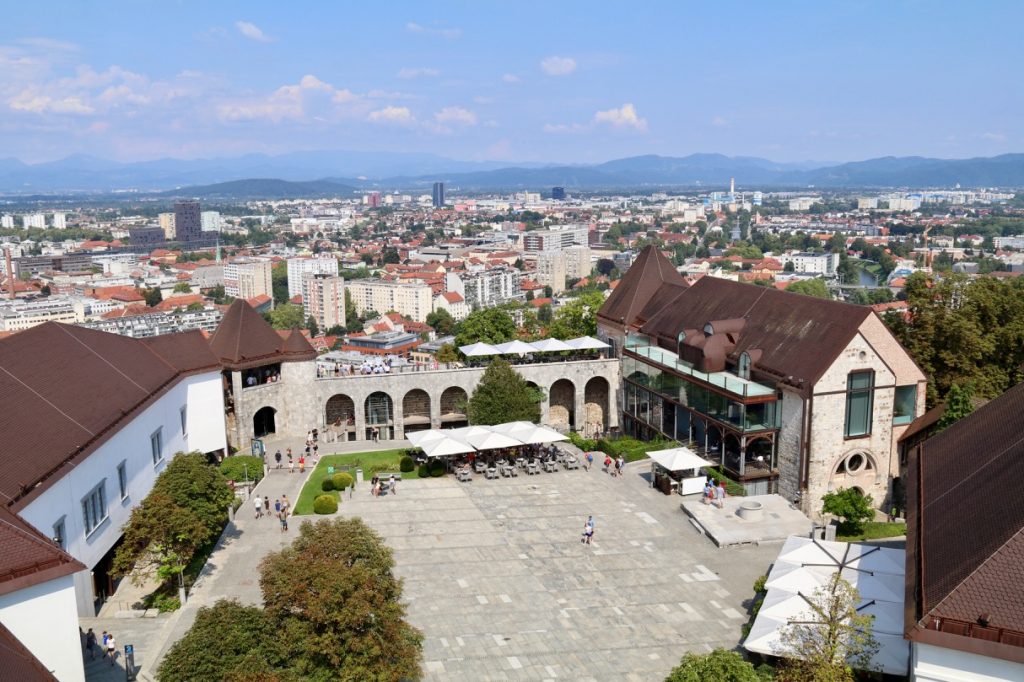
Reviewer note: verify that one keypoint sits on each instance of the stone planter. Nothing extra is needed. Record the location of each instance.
(750, 511)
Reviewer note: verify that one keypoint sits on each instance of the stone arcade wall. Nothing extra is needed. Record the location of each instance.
(300, 399)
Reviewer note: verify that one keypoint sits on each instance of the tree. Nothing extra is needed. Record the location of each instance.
(195, 307)
(578, 317)
(719, 665)
(153, 296)
(312, 326)
(333, 596)
(390, 255)
(159, 539)
(45, 290)
(286, 316)
(810, 287)
(192, 482)
(605, 266)
(182, 288)
(959, 404)
(548, 292)
(850, 505)
(446, 353)
(545, 314)
(490, 325)
(247, 645)
(279, 282)
(502, 395)
(352, 323)
(442, 321)
(529, 295)
(218, 295)
(834, 639)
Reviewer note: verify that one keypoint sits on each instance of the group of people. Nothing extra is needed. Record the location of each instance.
(256, 377)
(588, 531)
(616, 467)
(379, 486)
(282, 507)
(714, 494)
(348, 369)
(107, 648)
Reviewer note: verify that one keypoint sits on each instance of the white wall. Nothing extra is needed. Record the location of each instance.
(131, 444)
(939, 664)
(44, 618)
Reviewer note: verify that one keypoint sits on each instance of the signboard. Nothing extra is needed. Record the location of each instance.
(257, 447)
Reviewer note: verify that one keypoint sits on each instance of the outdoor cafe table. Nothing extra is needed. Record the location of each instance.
(549, 465)
(533, 468)
(492, 472)
(571, 462)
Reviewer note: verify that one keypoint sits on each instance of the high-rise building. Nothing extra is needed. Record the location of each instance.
(558, 193)
(33, 220)
(414, 301)
(373, 199)
(7, 221)
(492, 287)
(556, 238)
(59, 223)
(210, 221)
(577, 262)
(248, 277)
(299, 269)
(324, 300)
(438, 195)
(188, 222)
(167, 224)
(551, 270)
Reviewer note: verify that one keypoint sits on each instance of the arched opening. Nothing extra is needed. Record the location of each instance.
(595, 399)
(340, 418)
(731, 443)
(379, 416)
(263, 422)
(562, 401)
(759, 454)
(454, 405)
(416, 410)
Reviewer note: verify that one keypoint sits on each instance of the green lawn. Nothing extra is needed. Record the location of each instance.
(369, 462)
(876, 530)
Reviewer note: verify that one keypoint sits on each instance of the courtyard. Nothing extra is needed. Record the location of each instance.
(501, 586)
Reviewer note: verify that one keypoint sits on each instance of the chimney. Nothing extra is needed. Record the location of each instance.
(10, 273)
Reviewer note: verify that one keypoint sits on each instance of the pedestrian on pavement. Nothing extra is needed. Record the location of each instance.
(266, 505)
(111, 648)
(622, 465)
(302, 464)
(258, 504)
(285, 504)
(721, 495)
(392, 485)
(90, 642)
(283, 516)
(277, 506)
(291, 465)
(590, 460)
(277, 458)
(607, 463)
(588, 530)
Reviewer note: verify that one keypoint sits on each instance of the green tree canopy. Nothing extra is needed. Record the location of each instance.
(287, 316)
(810, 287)
(447, 353)
(312, 326)
(578, 317)
(442, 321)
(959, 403)
(489, 325)
(719, 665)
(279, 282)
(503, 396)
(182, 288)
(850, 505)
(153, 296)
(159, 539)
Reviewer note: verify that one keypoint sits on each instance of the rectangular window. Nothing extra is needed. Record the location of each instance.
(184, 419)
(859, 398)
(94, 507)
(122, 479)
(156, 445)
(904, 404)
(59, 535)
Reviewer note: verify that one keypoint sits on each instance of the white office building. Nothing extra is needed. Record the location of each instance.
(210, 221)
(299, 268)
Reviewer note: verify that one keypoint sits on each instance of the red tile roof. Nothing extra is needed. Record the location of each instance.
(28, 557)
(244, 339)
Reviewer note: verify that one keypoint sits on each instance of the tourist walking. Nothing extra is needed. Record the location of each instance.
(620, 465)
(588, 531)
(277, 507)
(258, 504)
(590, 460)
(111, 648)
(302, 464)
(285, 504)
(266, 505)
(607, 464)
(90, 642)
(291, 465)
(283, 516)
(277, 458)
(721, 495)
(392, 485)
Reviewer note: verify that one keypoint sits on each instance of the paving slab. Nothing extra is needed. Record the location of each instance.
(777, 520)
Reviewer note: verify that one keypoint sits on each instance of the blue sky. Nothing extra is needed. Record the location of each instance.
(559, 81)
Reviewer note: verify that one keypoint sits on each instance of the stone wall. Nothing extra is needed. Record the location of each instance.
(300, 399)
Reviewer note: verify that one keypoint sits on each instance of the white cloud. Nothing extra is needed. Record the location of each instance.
(418, 72)
(253, 32)
(511, 78)
(449, 33)
(623, 117)
(456, 116)
(288, 102)
(558, 66)
(719, 122)
(44, 104)
(392, 115)
(994, 137)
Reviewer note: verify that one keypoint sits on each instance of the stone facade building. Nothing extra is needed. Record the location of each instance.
(791, 394)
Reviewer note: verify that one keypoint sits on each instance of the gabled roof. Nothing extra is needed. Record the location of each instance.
(297, 347)
(638, 286)
(67, 389)
(965, 533)
(29, 558)
(798, 336)
(18, 662)
(244, 339)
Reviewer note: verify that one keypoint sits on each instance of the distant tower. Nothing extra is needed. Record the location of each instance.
(188, 222)
(558, 193)
(732, 187)
(438, 196)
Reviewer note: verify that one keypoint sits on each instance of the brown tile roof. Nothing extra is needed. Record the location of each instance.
(28, 557)
(798, 336)
(638, 286)
(67, 389)
(244, 339)
(298, 347)
(965, 531)
(19, 663)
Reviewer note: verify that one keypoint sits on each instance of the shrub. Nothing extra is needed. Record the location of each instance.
(327, 485)
(851, 506)
(406, 464)
(585, 444)
(342, 481)
(423, 471)
(236, 467)
(717, 665)
(436, 468)
(325, 504)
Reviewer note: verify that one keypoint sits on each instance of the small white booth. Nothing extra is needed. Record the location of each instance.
(683, 465)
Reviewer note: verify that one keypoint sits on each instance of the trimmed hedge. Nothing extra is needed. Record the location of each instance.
(325, 504)
(406, 464)
(327, 485)
(234, 468)
(631, 448)
(341, 481)
(436, 468)
(731, 487)
(423, 471)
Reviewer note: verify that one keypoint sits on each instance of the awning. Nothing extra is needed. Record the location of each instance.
(586, 343)
(474, 350)
(446, 447)
(550, 345)
(678, 459)
(515, 348)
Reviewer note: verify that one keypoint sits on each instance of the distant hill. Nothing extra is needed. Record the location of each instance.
(232, 178)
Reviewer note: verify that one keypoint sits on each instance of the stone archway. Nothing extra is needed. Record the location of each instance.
(595, 404)
(264, 422)
(379, 410)
(562, 397)
(339, 410)
(454, 406)
(416, 410)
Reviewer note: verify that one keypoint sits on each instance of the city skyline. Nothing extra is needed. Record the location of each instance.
(509, 82)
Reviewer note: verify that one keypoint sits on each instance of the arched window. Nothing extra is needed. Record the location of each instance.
(744, 366)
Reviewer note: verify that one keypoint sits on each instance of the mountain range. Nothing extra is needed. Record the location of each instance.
(326, 173)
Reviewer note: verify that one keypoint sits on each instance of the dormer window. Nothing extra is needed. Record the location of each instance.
(679, 343)
(708, 329)
(743, 369)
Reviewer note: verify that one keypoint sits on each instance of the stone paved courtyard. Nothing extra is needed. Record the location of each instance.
(497, 579)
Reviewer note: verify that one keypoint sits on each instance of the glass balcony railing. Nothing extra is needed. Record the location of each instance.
(723, 380)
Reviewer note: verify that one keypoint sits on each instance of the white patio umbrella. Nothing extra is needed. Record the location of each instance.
(678, 459)
(479, 349)
(509, 428)
(587, 343)
(422, 438)
(491, 441)
(550, 345)
(446, 447)
(540, 434)
(516, 347)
